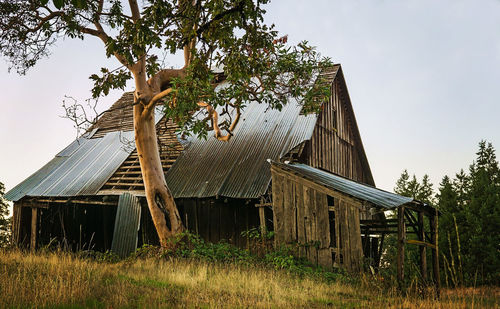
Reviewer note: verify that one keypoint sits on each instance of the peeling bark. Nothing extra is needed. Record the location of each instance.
(161, 203)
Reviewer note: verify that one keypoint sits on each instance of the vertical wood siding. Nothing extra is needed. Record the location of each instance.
(301, 216)
(333, 146)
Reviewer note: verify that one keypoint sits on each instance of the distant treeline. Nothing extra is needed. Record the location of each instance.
(469, 224)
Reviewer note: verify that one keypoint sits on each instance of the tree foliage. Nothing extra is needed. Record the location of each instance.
(469, 241)
(470, 221)
(4, 218)
(421, 191)
(258, 64)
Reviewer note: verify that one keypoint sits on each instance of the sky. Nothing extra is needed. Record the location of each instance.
(423, 77)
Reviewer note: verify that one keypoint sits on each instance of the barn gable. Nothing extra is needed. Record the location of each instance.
(336, 145)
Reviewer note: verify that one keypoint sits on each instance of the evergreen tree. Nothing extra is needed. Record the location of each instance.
(422, 191)
(425, 191)
(414, 189)
(448, 237)
(4, 220)
(483, 216)
(469, 224)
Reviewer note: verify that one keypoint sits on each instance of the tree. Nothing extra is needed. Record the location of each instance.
(482, 215)
(421, 191)
(414, 189)
(4, 220)
(470, 221)
(258, 66)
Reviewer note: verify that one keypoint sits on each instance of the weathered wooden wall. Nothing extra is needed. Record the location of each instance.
(328, 235)
(75, 226)
(219, 219)
(335, 145)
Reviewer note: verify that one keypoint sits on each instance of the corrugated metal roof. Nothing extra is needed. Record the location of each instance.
(127, 220)
(238, 168)
(80, 169)
(364, 192)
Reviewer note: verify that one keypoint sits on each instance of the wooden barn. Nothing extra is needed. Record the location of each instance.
(91, 194)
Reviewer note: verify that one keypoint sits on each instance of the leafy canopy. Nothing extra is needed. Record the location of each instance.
(258, 65)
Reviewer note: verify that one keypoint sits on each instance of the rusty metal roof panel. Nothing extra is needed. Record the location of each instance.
(80, 169)
(365, 192)
(238, 168)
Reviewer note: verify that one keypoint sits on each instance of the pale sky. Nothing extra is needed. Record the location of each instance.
(423, 76)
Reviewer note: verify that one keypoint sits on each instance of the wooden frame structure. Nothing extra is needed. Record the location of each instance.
(411, 220)
(311, 206)
(323, 222)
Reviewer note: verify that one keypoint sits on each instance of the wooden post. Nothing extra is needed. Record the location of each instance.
(34, 219)
(16, 223)
(401, 244)
(435, 251)
(423, 249)
(262, 217)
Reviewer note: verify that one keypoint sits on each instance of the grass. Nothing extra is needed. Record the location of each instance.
(64, 280)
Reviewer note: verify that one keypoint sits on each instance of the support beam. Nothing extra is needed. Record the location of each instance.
(435, 252)
(34, 220)
(422, 249)
(262, 218)
(401, 244)
(16, 223)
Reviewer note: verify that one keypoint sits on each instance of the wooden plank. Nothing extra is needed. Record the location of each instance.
(215, 220)
(262, 221)
(422, 244)
(435, 252)
(264, 205)
(16, 223)
(344, 227)
(34, 226)
(356, 245)
(299, 197)
(277, 182)
(293, 212)
(401, 245)
(323, 227)
(337, 231)
(226, 226)
(287, 174)
(422, 249)
(309, 222)
(287, 210)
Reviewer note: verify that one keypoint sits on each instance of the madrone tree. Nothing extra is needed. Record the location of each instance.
(230, 34)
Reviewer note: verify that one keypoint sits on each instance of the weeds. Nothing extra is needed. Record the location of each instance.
(193, 273)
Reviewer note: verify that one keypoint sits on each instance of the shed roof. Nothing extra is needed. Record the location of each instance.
(355, 189)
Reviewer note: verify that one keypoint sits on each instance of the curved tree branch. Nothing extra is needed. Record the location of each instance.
(158, 97)
(212, 113)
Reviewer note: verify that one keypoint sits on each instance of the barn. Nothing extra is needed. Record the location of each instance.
(91, 195)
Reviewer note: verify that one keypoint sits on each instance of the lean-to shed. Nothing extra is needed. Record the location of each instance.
(320, 213)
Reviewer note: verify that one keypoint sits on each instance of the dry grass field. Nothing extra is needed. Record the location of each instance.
(62, 280)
